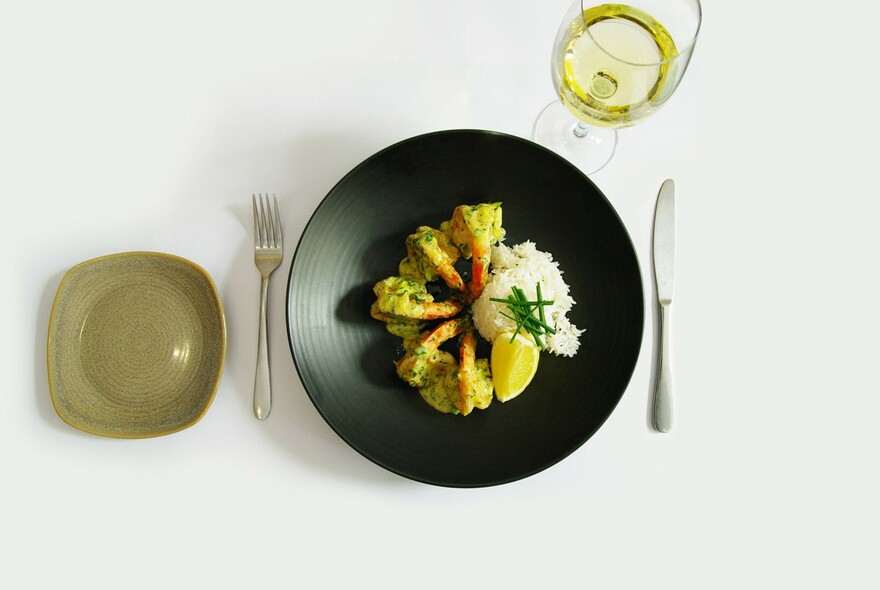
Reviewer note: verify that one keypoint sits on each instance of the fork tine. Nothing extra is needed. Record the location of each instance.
(269, 224)
(277, 227)
(266, 221)
(256, 221)
(264, 225)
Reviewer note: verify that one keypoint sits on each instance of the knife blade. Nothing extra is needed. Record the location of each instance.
(664, 267)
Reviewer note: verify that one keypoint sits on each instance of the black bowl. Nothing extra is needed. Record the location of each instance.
(356, 238)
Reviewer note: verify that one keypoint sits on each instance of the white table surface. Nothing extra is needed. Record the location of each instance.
(148, 127)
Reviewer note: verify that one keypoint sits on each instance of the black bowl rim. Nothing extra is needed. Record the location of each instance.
(391, 468)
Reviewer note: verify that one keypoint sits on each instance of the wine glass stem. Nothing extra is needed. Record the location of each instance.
(581, 129)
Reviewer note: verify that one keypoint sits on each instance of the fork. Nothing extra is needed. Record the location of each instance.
(268, 251)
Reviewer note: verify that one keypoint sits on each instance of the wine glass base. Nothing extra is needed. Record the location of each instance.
(587, 147)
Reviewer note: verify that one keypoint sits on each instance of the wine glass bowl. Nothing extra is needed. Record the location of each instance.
(612, 66)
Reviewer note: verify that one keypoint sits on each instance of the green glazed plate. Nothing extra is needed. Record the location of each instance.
(137, 345)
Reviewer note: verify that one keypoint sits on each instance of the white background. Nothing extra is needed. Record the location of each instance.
(147, 126)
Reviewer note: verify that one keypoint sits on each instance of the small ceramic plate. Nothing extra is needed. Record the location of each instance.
(137, 345)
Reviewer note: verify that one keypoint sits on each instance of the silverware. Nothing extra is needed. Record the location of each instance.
(664, 265)
(268, 251)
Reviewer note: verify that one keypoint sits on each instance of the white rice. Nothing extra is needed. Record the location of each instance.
(523, 265)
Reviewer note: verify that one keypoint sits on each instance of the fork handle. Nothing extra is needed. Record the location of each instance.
(262, 381)
(663, 390)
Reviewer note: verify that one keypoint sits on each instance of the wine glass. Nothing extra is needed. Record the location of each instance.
(613, 65)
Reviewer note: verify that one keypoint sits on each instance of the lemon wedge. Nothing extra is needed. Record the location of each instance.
(514, 364)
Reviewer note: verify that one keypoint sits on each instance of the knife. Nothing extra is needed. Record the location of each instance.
(664, 266)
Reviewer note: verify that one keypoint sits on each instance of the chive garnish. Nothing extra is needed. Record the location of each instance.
(538, 295)
(523, 313)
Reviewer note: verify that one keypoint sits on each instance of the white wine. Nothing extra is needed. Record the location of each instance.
(613, 65)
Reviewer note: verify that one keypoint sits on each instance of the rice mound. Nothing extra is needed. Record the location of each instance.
(523, 265)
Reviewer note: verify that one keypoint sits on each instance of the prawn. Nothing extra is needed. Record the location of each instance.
(401, 297)
(474, 378)
(473, 230)
(431, 256)
(414, 367)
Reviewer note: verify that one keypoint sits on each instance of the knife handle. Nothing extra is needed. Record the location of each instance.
(663, 388)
